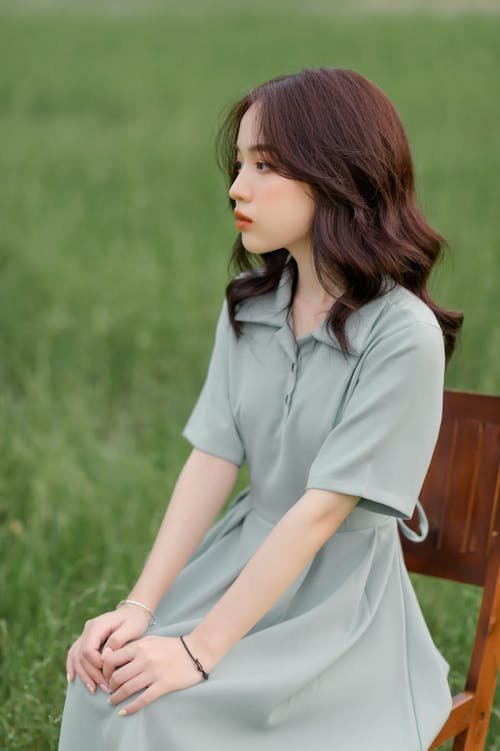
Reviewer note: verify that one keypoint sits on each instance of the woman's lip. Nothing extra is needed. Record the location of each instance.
(242, 224)
(239, 215)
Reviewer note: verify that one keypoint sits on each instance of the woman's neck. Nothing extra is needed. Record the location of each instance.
(309, 293)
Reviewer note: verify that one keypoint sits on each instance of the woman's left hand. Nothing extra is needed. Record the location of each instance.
(158, 664)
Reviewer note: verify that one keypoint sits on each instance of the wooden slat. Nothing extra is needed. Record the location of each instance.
(468, 569)
(457, 721)
(472, 405)
(459, 500)
(487, 491)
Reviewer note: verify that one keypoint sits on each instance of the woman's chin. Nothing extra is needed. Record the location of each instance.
(255, 248)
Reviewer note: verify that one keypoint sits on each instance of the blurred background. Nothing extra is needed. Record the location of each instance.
(114, 245)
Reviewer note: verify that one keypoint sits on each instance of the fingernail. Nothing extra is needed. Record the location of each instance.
(104, 688)
(109, 701)
(122, 712)
(90, 687)
(67, 677)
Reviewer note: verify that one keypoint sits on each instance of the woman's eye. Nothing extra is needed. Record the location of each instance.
(258, 165)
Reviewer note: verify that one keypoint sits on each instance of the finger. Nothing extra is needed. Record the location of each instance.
(150, 694)
(85, 678)
(130, 687)
(107, 672)
(70, 668)
(121, 636)
(113, 660)
(96, 632)
(106, 651)
(83, 666)
(93, 637)
(117, 639)
(91, 653)
(121, 676)
(96, 675)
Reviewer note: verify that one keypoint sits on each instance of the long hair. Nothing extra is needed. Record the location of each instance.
(337, 131)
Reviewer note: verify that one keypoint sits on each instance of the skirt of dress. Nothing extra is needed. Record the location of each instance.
(343, 660)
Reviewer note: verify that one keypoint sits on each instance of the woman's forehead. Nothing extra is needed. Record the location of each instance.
(248, 129)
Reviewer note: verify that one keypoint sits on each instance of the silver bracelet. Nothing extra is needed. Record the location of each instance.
(152, 619)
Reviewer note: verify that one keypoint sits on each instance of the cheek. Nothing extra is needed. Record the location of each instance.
(301, 213)
(275, 195)
(294, 201)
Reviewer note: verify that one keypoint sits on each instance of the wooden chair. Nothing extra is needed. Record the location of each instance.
(461, 497)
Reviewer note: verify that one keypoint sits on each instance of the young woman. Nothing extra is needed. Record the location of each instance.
(291, 622)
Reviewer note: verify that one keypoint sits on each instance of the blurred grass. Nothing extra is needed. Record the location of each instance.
(113, 253)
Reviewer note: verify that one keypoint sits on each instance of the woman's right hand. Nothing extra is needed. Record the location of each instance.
(112, 629)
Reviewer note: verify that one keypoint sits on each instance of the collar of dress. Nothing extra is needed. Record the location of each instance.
(271, 309)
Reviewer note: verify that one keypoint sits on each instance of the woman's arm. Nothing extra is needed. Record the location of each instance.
(201, 490)
(160, 664)
(295, 539)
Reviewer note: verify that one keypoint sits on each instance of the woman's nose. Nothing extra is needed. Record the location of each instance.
(240, 188)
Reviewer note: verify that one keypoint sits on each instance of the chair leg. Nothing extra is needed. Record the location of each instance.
(473, 738)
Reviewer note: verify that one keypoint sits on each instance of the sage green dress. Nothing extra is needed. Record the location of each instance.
(343, 661)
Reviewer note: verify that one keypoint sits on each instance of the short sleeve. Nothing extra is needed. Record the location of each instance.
(211, 427)
(382, 445)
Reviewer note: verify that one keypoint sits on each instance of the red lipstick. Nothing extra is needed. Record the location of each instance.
(243, 222)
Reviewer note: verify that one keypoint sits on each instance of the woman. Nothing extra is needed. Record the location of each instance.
(291, 622)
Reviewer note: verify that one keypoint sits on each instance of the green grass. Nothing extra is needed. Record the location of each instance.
(113, 252)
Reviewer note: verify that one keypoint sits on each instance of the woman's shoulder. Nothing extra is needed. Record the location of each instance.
(403, 307)
(404, 321)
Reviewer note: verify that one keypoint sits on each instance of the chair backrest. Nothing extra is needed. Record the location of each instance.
(461, 492)
(461, 498)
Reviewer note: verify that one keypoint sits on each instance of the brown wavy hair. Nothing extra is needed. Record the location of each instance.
(337, 131)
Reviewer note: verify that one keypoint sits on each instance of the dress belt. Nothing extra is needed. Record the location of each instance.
(423, 524)
(354, 522)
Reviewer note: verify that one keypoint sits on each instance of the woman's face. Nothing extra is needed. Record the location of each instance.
(281, 209)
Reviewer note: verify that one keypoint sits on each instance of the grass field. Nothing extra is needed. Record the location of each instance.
(113, 254)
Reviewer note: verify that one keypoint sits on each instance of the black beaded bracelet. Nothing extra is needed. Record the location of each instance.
(197, 662)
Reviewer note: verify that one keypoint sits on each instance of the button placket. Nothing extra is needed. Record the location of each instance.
(291, 382)
(286, 339)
